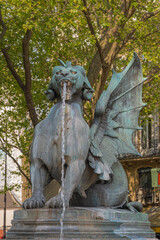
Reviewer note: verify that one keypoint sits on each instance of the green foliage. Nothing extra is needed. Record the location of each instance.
(60, 30)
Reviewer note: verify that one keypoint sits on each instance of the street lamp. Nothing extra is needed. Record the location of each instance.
(5, 193)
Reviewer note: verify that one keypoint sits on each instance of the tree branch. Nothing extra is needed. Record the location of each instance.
(31, 108)
(3, 26)
(27, 86)
(126, 4)
(109, 49)
(129, 11)
(97, 18)
(87, 16)
(7, 57)
(27, 68)
(151, 33)
(26, 62)
(150, 76)
(15, 161)
(126, 39)
(12, 69)
(14, 146)
(149, 15)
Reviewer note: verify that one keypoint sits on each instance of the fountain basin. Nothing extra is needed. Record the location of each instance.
(80, 223)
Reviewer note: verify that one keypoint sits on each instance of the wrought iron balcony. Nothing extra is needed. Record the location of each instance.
(146, 149)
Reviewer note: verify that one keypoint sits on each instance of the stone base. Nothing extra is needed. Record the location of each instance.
(80, 223)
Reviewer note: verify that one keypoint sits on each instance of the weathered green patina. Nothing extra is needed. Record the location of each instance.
(94, 176)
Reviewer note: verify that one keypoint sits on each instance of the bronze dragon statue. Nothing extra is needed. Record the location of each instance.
(94, 177)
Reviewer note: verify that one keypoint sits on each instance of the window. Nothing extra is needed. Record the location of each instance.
(147, 134)
(145, 184)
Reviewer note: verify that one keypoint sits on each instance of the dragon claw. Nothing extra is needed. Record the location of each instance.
(33, 202)
(56, 202)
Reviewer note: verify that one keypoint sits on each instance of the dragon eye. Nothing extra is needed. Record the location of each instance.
(58, 73)
(73, 72)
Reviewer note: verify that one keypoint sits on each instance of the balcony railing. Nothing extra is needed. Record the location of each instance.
(152, 148)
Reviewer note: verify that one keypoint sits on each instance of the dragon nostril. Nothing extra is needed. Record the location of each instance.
(65, 73)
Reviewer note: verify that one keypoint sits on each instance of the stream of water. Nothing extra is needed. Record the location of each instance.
(63, 160)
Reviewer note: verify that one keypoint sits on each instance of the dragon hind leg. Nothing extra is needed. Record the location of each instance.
(113, 194)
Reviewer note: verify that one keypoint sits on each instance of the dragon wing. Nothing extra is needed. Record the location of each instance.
(116, 118)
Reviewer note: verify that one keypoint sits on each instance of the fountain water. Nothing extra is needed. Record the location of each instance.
(63, 160)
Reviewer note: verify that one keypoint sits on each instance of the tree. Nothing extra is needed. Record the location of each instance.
(99, 35)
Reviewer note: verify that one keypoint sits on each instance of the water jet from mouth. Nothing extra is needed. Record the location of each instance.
(63, 160)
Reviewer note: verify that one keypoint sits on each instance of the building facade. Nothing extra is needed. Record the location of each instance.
(140, 170)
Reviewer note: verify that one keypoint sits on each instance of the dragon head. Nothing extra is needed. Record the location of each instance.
(75, 79)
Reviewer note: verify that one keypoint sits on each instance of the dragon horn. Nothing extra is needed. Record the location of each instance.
(62, 63)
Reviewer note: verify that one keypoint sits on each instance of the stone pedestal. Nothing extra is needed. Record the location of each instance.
(80, 223)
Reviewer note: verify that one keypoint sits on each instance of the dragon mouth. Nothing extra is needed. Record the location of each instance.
(68, 89)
